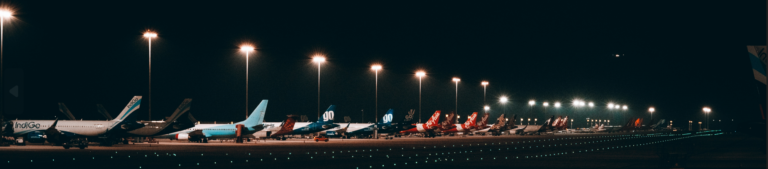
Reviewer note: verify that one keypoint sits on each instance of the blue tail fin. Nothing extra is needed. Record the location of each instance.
(328, 115)
(387, 119)
(257, 117)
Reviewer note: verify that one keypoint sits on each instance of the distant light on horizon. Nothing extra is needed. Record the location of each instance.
(591, 104)
(546, 104)
(624, 107)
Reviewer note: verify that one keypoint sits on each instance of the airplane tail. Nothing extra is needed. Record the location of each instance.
(181, 110)
(287, 126)
(557, 121)
(328, 115)
(387, 119)
(450, 119)
(484, 119)
(549, 121)
(471, 120)
(100, 108)
(257, 116)
(434, 120)
(132, 106)
(511, 123)
(63, 109)
(563, 123)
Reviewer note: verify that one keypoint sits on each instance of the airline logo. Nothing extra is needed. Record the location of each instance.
(29, 125)
(328, 116)
(434, 120)
(387, 118)
(409, 117)
(130, 106)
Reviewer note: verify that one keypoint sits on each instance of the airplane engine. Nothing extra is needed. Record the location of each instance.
(182, 136)
(385, 127)
(326, 126)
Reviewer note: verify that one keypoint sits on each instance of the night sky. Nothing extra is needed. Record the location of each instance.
(677, 57)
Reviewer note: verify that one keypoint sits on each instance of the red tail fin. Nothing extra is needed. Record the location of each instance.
(287, 126)
(435, 120)
(471, 120)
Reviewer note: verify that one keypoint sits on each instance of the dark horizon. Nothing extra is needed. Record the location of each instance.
(677, 57)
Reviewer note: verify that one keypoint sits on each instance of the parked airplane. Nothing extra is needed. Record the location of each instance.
(171, 124)
(252, 124)
(80, 129)
(325, 123)
(466, 127)
(426, 128)
(482, 126)
(385, 126)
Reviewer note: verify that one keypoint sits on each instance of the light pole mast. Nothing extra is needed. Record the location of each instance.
(3, 15)
(247, 49)
(149, 36)
(376, 69)
(318, 59)
(457, 93)
(420, 74)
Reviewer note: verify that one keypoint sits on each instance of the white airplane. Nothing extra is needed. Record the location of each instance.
(81, 128)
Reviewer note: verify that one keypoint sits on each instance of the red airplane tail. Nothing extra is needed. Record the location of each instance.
(434, 120)
(471, 120)
(287, 126)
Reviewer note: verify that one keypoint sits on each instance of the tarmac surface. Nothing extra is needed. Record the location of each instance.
(619, 150)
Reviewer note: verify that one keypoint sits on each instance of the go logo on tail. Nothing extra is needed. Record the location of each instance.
(328, 116)
(387, 118)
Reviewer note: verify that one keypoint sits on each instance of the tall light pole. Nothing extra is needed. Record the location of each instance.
(651, 110)
(149, 36)
(706, 111)
(376, 69)
(247, 49)
(319, 59)
(3, 14)
(530, 107)
(503, 100)
(455, 79)
(420, 74)
(485, 84)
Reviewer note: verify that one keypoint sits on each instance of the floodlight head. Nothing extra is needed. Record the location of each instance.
(610, 105)
(456, 79)
(706, 109)
(484, 83)
(546, 104)
(651, 109)
(624, 107)
(421, 73)
(591, 104)
(6, 14)
(531, 102)
(503, 99)
(557, 104)
(487, 108)
(246, 48)
(376, 67)
(318, 59)
(150, 34)
(616, 106)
